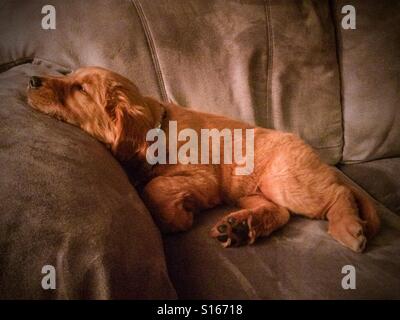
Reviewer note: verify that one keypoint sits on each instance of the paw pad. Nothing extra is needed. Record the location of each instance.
(232, 232)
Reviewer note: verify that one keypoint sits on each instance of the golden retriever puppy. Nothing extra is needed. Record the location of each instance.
(287, 176)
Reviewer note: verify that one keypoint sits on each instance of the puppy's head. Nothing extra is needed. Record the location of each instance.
(104, 104)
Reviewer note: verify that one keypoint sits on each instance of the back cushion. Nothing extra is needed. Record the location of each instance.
(304, 91)
(271, 63)
(96, 32)
(370, 62)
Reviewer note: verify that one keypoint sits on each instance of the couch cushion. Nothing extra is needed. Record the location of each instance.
(371, 83)
(97, 32)
(66, 202)
(380, 178)
(300, 261)
(272, 63)
(304, 91)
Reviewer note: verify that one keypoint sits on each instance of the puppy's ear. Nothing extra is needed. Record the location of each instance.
(131, 122)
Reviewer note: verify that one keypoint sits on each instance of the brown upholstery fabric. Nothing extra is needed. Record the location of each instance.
(66, 202)
(300, 261)
(370, 66)
(380, 178)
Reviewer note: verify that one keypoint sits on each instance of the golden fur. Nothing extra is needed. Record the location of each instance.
(288, 176)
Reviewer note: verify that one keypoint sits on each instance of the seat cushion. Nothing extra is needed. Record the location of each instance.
(66, 202)
(380, 178)
(300, 261)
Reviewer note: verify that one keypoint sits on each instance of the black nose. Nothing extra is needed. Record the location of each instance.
(35, 82)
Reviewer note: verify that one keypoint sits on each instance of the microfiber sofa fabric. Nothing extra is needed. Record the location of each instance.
(300, 261)
(88, 33)
(370, 64)
(380, 178)
(66, 202)
(272, 63)
(284, 64)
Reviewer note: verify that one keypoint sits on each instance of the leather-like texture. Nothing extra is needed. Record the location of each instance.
(370, 63)
(272, 63)
(300, 261)
(380, 178)
(66, 202)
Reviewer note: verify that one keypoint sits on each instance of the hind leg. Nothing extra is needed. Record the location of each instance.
(317, 194)
(259, 217)
(345, 224)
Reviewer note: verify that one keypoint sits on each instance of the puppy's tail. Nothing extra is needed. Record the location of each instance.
(367, 210)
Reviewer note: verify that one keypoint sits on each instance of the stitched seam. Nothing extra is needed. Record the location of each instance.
(266, 121)
(338, 46)
(363, 161)
(270, 61)
(152, 48)
(329, 147)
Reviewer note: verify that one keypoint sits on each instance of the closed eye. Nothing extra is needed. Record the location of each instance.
(79, 87)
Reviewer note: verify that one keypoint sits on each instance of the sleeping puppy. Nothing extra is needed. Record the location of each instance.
(287, 177)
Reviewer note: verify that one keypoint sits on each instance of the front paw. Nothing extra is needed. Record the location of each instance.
(234, 230)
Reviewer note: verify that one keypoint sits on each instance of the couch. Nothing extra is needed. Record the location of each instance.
(283, 64)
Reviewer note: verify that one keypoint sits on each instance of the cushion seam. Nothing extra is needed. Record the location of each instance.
(338, 46)
(270, 40)
(152, 48)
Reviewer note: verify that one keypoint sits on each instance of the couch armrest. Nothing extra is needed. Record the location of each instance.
(66, 202)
